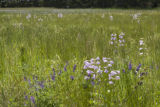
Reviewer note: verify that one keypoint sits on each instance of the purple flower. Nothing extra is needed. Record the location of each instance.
(112, 73)
(106, 71)
(92, 82)
(130, 66)
(99, 71)
(86, 78)
(26, 97)
(72, 77)
(138, 67)
(53, 76)
(117, 77)
(32, 99)
(41, 84)
(123, 70)
(94, 76)
(89, 72)
(25, 78)
(98, 62)
(59, 73)
(74, 67)
(97, 58)
(65, 67)
(111, 82)
(111, 62)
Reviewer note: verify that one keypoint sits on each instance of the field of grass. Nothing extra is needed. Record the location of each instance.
(79, 58)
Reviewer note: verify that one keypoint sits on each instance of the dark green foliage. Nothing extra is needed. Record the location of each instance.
(81, 3)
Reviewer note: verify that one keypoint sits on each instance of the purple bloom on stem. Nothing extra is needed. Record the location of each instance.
(123, 70)
(65, 67)
(72, 77)
(74, 67)
(106, 71)
(41, 84)
(60, 72)
(25, 78)
(92, 82)
(53, 69)
(138, 67)
(130, 66)
(94, 76)
(32, 99)
(26, 97)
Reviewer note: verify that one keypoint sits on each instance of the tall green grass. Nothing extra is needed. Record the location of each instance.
(30, 48)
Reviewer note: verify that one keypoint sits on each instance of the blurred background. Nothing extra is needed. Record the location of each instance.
(82, 3)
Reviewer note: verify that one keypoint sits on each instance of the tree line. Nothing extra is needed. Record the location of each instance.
(81, 3)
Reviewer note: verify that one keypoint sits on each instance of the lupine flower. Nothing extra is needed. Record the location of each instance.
(130, 66)
(41, 84)
(98, 62)
(74, 67)
(26, 97)
(59, 73)
(138, 67)
(32, 99)
(53, 76)
(65, 67)
(72, 77)
(25, 78)
(123, 71)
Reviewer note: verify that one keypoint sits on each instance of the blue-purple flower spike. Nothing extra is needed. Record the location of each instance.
(130, 66)
(72, 77)
(65, 67)
(138, 67)
(32, 99)
(74, 67)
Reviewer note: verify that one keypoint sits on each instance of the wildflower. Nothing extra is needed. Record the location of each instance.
(72, 77)
(41, 84)
(53, 76)
(28, 16)
(26, 97)
(89, 72)
(86, 78)
(111, 18)
(138, 67)
(97, 58)
(141, 42)
(59, 73)
(99, 71)
(111, 62)
(60, 15)
(112, 73)
(109, 65)
(130, 66)
(94, 76)
(118, 72)
(123, 71)
(25, 79)
(98, 62)
(92, 82)
(111, 82)
(32, 99)
(106, 71)
(74, 67)
(117, 77)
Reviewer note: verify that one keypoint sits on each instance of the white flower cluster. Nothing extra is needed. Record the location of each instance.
(142, 47)
(95, 67)
(117, 40)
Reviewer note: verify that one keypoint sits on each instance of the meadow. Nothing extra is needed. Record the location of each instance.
(79, 58)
